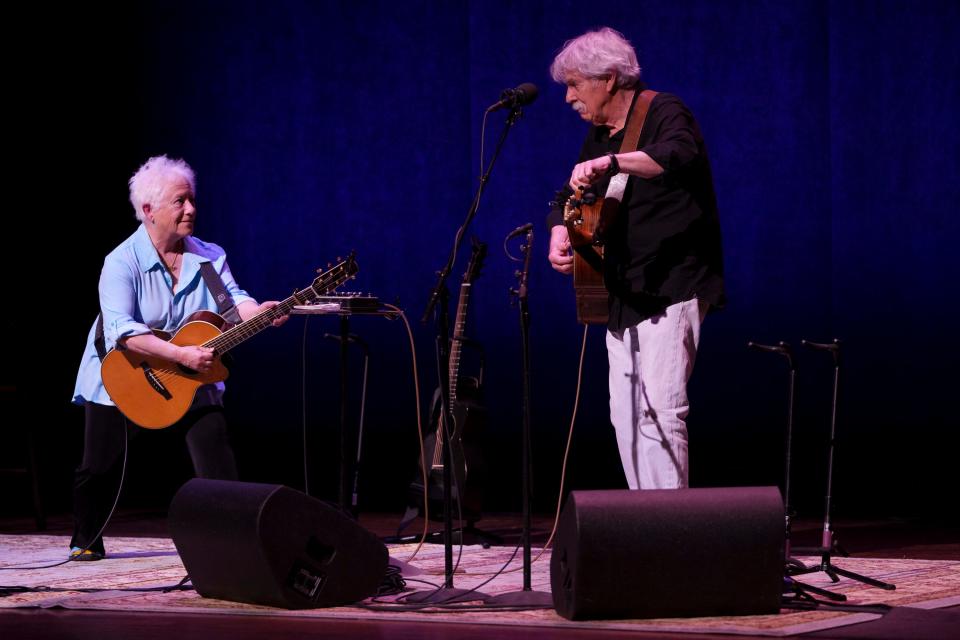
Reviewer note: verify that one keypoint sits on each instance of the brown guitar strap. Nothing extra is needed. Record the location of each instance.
(618, 183)
(587, 225)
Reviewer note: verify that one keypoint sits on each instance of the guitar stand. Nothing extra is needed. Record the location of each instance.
(828, 545)
(349, 465)
(791, 565)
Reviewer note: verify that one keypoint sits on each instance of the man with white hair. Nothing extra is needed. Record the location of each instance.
(662, 263)
(155, 279)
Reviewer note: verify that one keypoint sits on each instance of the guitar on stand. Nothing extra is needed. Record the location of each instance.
(469, 420)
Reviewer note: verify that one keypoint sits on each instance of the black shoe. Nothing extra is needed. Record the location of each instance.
(85, 555)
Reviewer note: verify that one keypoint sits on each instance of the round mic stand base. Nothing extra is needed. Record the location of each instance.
(522, 599)
(445, 595)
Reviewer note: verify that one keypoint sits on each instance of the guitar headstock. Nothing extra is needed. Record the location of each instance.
(573, 208)
(478, 253)
(335, 275)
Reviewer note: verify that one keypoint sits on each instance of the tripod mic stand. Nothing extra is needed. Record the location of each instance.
(439, 299)
(791, 563)
(527, 596)
(827, 544)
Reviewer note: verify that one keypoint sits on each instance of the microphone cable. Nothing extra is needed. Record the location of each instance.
(566, 456)
(123, 473)
(566, 452)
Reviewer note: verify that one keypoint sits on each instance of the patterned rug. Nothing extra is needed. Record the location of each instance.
(153, 562)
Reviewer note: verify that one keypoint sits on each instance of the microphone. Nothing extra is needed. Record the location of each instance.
(519, 97)
(833, 346)
(519, 231)
(781, 347)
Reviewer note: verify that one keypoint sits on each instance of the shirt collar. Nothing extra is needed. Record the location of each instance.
(147, 256)
(149, 259)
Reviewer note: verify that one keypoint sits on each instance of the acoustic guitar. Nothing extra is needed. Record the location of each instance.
(585, 222)
(588, 219)
(468, 418)
(155, 393)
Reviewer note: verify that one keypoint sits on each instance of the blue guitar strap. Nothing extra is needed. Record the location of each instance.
(225, 305)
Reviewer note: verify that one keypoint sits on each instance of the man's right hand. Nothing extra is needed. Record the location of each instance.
(560, 256)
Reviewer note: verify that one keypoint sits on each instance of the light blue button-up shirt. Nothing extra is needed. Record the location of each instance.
(136, 295)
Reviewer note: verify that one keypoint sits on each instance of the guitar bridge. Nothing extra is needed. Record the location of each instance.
(154, 381)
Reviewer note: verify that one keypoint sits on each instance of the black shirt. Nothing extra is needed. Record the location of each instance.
(665, 245)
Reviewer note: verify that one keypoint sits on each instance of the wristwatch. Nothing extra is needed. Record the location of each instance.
(614, 167)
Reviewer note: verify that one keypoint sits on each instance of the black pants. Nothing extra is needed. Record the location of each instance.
(96, 480)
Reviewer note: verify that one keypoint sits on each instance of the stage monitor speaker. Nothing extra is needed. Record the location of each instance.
(268, 544)
(669, 553)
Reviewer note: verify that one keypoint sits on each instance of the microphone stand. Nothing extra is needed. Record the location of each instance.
(440, 298)
(791, 564)
(827, 543)
(527, 596)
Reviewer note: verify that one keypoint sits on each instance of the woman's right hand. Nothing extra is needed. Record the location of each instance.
(196, 357)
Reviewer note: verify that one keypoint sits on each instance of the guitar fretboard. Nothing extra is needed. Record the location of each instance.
(322, 285)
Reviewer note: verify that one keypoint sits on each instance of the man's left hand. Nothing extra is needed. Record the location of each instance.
(586, 173)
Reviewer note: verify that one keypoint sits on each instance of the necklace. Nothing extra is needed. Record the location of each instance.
(172, 268)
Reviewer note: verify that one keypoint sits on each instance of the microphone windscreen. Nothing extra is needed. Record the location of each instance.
(528, 92)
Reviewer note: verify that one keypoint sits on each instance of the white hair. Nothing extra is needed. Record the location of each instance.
(597, 54)
(148, 183)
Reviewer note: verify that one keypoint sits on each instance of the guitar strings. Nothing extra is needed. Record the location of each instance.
(237, 334)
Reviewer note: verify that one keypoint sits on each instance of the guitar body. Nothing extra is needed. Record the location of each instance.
(131, 378)
(467, 470)
(155, 393)
(588, 218)
(584, 220)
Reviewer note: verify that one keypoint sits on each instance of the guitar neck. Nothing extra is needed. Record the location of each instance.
(322, 285)
(456, 345)
(249, 328)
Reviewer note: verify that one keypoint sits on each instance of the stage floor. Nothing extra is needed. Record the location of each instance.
(897, 542)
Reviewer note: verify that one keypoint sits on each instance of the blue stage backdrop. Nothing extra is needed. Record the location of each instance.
(317, 128)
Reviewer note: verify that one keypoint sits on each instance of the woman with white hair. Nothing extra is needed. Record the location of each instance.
(153, 280)
(662, 264)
